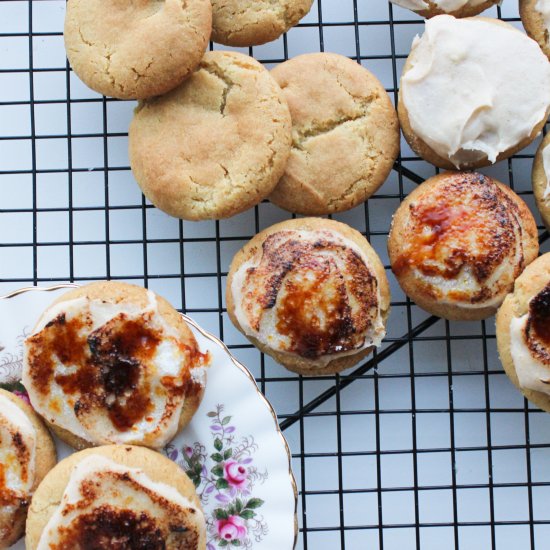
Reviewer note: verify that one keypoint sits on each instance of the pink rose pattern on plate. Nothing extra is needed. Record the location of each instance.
(227, 476)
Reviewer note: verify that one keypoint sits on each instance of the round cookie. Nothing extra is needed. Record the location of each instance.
(538, 80)
(156, 466)
(45, 460)
(458, 242)
(315, 291)
(541, 179)
(345, 134)
(112, 292)
(431, 8)
(517, 304)
(255, 22)
(137, 49)
(536, 22)
(215, 146)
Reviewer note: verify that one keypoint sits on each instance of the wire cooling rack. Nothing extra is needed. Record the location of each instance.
(425, 446)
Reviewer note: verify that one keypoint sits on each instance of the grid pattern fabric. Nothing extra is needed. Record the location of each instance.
(425, 446)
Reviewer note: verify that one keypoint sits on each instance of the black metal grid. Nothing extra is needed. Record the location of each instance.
(421, 363)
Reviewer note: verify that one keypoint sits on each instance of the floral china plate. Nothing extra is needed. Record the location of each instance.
(233, 449)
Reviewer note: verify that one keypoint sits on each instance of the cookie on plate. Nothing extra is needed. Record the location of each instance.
(473, 91)
(457, 8)
(134, 50)
(215, 146)
(112, 362)
(523, 333)
(458, 242)
(310, 292)
(255, 22)
(541, 179)
(27, 454)
(116, 496)
(535, 16)
(345, 134)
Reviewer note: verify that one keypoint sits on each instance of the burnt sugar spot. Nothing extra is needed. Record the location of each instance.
(538, 325)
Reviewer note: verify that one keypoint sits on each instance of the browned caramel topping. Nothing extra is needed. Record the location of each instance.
(326, 295)
(537, 329)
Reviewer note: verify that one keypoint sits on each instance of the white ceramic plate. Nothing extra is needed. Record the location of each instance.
(232, 449)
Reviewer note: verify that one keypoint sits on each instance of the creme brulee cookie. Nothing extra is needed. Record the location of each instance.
(345, 134)
(215, 146)
(255, 22)
(541, 179)
(113, 363)
(473, 91)
(523, 333)
(133, 49)
(535, 15)
(122, 497)
(458, 8)
(311, 293)
(458, 242)
(27, 454)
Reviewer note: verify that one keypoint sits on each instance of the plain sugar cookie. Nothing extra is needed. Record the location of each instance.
(255, 22)
(215, 146)
(136, 49)
(345, 134)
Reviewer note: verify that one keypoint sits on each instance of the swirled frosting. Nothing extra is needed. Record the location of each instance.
(110, 373)
(309, 293)
(530, 344)
(462, 242)
(474, 89)
(107, 505)
(446, 5)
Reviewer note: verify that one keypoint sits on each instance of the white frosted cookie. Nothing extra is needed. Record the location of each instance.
(541, 179)
(458, 8)
(311, 293)
(535, 16)
(473, 91)
(113, 363)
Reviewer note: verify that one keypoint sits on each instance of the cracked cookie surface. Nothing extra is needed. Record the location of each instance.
(254, 22)
(345, 134)
(135, 49)
(216, 145)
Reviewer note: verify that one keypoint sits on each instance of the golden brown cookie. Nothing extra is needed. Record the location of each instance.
(536, 22)
(541, 179)
(310, 292)
(431, 8)
(139, 374)
(255, 22)
(458, 242)
(345, 134)
(487, 131)
(136, 49)
(215, 146)
(27, 453)
(522, 333)
(134, 514)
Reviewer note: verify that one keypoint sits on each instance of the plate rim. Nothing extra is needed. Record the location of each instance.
(218, 342)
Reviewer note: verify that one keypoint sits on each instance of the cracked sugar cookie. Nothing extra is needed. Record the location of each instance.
(458, 8)
(134, 49)
(255, 22)
(216, 145)
(310, 292)
(116, 497)
(345, 134)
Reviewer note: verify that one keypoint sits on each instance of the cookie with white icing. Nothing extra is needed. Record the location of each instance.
(541, 179)
(123, 497)
(458, 242)
(457, 8)
(27, 454)
(535, 16)
(112, 362)
(473, 91)
(310, 292)
(523, 333)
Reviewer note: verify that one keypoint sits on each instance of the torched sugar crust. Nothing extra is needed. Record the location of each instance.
(157, 467)
(45, 459)
(474, 223)
(115, 293)
(275, 267)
